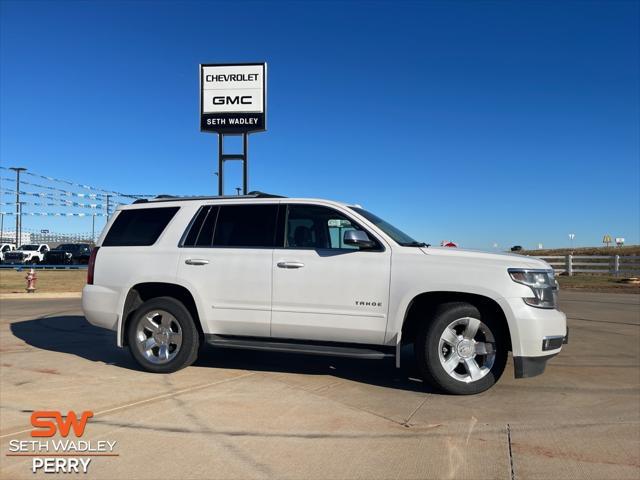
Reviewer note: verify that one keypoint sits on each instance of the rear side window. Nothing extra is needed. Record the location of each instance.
(140, 227)
(246, 226)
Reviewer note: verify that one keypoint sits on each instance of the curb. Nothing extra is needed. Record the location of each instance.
(39, 296)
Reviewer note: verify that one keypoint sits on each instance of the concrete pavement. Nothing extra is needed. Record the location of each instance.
(243, 414)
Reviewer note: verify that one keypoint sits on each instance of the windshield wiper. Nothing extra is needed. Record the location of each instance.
(414, 244)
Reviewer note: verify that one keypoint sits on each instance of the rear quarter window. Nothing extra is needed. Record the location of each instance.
(139, 227)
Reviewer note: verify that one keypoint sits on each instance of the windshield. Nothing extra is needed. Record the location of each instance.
(68, 247)
(28, 247)
(397, 235)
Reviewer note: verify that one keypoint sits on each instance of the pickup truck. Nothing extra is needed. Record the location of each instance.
(27, 254)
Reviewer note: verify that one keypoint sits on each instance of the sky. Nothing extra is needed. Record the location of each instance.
(484, 123)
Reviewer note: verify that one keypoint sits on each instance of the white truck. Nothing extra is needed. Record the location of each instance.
(27, 254)
(5, 248)
(315, 276)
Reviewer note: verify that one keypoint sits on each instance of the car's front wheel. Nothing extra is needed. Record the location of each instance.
(162, 336)
(461, 351)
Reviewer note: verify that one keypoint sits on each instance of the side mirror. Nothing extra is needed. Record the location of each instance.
(358, 238)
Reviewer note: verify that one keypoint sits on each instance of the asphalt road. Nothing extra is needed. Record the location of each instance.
(241, 414)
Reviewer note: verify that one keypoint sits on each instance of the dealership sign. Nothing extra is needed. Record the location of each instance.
(233, 97)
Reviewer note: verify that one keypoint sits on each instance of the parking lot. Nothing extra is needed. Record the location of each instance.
(243, 414)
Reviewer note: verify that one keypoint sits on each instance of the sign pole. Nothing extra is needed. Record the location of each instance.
(18, 209)
(220, 164)
(245, 161)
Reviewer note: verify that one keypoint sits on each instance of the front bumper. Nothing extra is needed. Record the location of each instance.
(14, 261)
(526, 367)
(537, 335)
(57, 260)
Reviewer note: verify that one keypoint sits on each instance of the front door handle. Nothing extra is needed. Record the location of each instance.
(290, 265)
(196, 261)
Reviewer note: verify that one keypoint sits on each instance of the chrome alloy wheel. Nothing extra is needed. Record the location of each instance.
(467, 349)
(159, 336)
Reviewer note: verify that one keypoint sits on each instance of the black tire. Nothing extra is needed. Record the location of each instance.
(427, 349)
(188, 351)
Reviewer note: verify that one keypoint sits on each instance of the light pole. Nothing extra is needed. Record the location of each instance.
(571, 237)
(108, 197)
(18, 209)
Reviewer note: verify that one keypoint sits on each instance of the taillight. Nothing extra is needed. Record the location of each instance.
(92, 265)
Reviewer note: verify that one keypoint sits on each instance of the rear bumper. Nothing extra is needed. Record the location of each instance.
(100, 305)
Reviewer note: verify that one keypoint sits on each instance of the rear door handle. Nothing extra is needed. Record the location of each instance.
(196, 261)
(290, 265)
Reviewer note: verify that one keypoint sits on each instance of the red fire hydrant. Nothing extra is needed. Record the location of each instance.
(31, 281)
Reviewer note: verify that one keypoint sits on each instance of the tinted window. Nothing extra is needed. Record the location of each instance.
(201, 230)
(139, 227)
(246, 226)
(311, 226)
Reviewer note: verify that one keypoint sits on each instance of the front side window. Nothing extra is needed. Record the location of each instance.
(68, 247)
(395, 233)
(313, 226)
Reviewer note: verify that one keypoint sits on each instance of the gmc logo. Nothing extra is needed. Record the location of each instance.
(237, 100)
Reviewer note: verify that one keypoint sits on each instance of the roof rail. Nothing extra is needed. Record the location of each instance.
(175, 198)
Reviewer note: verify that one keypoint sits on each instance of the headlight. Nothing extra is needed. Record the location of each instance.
(68, 255)
(541, 282)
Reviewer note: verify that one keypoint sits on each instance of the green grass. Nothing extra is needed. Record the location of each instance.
(73, 281)
(48, 281)
(626, 250)
(596, 283)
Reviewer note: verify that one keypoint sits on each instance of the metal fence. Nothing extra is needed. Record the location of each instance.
(56, 238)
(596, 264)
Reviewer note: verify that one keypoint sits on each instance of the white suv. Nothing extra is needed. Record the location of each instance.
(315, 276)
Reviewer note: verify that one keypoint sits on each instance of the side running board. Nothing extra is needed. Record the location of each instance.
(294, 346)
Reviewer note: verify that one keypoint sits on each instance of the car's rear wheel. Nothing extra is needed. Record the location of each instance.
(162, 336)
(461, 351)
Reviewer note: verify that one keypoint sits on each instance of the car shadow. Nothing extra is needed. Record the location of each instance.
(72, 334)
